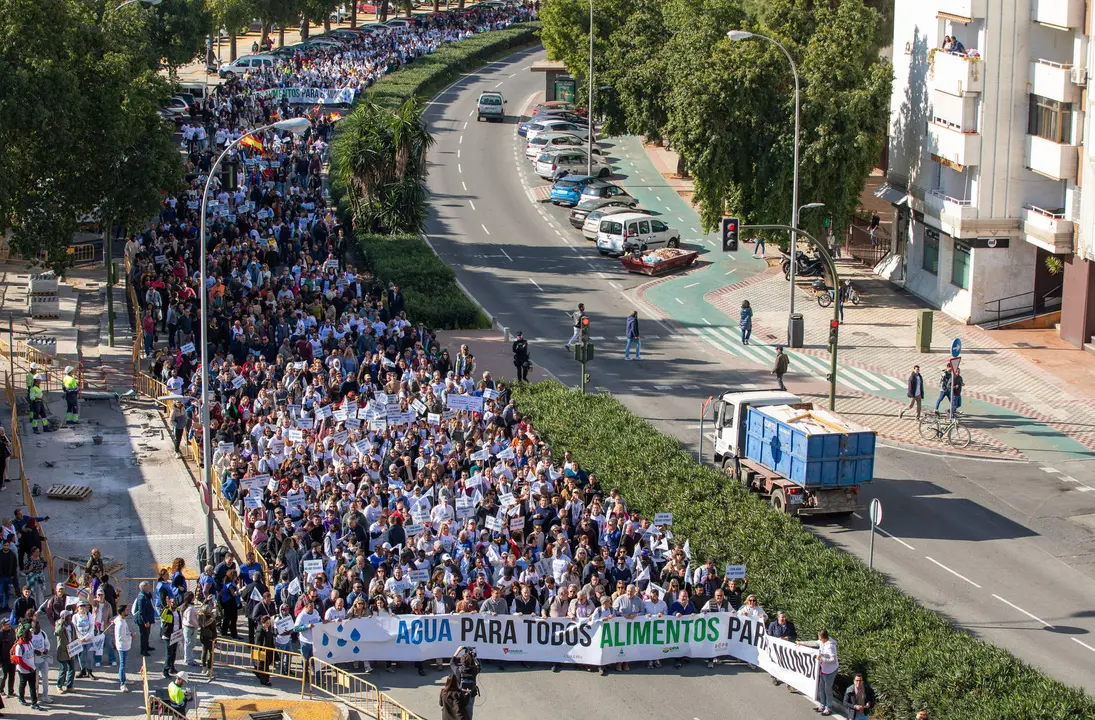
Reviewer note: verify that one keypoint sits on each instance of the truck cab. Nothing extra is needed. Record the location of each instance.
(730, 410)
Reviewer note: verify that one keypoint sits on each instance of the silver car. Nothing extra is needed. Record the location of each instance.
(593, 220)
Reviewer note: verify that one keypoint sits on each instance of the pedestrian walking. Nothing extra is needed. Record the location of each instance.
(944, 387)
(576, 318)
(23, 656)
(521, 357)
(779, 368)
(873, 229)
(40, 640)
(829, 665)
(758, 246)
(914, 391)
(745, 321)
(957, 383)
(123, 640)
(633, 336)
(842, 297)
(66, 663)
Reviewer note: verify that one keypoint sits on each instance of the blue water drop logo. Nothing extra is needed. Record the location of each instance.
(340, 627)
(341, 642)
(326, 640)
(330, 654)
(357, 649)
(355, 635)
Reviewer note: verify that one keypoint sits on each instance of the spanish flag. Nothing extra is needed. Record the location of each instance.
(252, 142)
(335, 117)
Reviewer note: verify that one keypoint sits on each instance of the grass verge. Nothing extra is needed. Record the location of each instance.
(913, 657)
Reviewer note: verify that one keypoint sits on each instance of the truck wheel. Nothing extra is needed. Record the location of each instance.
(728, 467)
(779, 500)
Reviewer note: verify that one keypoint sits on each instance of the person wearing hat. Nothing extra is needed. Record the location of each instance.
(71, 388)
(65, 634)
(35, 396)
(521, 357)
(177, 695)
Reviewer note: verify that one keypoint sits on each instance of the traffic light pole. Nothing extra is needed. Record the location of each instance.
(828, 260)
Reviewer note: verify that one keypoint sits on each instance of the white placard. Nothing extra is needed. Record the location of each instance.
(340, 415)
(294, 587)
(735, 571)
(312, 568)
(283, 625)
(226, 448)
(341, 437)
(507, 454)
(491, 523)
(415, 529)
(517, 523)
(419, 406)
(507, 499)
(417, 576)
(481, 455)
(433, 418)
(252, 502)
(255, 483)
(176, 637)
(188, 349)
(662, 519)
(324, 412)
(238, 381)
(489, 393)
(256, 596)
(468, 403)
(474, 482)
(295, 435)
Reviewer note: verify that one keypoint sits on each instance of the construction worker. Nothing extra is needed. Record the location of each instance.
(72, 397)
(30, 377)
(38, 420)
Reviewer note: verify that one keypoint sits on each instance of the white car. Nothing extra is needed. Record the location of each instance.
(551, 163)
(624, 232)
(544, 141)
(593, 220)
(537, 127)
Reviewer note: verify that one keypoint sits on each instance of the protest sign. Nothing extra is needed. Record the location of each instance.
(415, 529)
(735, 571)
(433, 418)
(188, 349)
(312, 568)
(661, 519)
(294, 587)
(419, 406)
(283, 625)
(517, 524)
(417, 576)
(468, 403)
(226, 448)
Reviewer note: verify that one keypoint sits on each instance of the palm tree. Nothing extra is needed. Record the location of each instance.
(378, 161)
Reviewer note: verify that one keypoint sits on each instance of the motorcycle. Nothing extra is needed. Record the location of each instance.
(804, 266)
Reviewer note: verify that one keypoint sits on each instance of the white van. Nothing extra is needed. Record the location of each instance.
(247, 63)
(625, 232)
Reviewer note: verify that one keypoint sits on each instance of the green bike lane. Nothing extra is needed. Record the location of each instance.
(684, 299)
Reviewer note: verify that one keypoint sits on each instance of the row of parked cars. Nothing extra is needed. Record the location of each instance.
(557, 141)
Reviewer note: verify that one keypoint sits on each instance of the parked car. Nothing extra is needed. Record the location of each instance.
(568, 191)
(175, 109)
(244, 64)
(491, 105)
(522, 128)
(552, 164)
(619, 234)
(593, 220)
(552, 105)
(604, 189)
(536, 127)
(579, 212)
(398, 25)
(545, 141)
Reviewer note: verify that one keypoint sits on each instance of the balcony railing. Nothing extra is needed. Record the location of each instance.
(1051, 159)
(951, 144)
(1053, 80)
(956, 73)
(1059, 13)
(1050, 230)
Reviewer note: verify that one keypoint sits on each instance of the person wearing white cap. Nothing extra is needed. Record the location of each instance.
(71, 389)
(176, 693)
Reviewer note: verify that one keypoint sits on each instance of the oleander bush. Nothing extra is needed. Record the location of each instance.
(913, 657)
(428, 284)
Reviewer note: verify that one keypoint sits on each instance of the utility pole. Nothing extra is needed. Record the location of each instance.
(108, 260)
(589, 134)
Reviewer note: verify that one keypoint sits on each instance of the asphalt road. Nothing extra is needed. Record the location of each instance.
(1005, 549)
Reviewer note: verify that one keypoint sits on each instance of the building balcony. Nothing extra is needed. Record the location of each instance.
(956, 111)
(956, 74)
(1053, 160)
(952, 211)
(962, 9)
(1054, 81)
(952, 147)
(1048, 229)
(1067, 14)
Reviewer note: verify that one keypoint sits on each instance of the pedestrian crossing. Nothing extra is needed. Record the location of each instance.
(729, 340)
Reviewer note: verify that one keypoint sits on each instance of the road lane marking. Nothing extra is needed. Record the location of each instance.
(499, 84)
(465, 185)
(705, 320)
(1050, 470)
(472, 203)
(617, 286)
(663, 387)
(602, 276)
(458, 168)
(1092, 649)
(679, 300)
(536, 284)
(692, 285)
(471, 113)
(731, 272)
(657, 198)
(484, 228)
(952, 572)
(506, 254)
(1029, 615)
(465, 126)
(458, 152)
(894, 537)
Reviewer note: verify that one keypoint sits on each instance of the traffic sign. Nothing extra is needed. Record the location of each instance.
(956, 347)
(876, 511)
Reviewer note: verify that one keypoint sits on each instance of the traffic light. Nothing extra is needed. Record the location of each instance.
(584, 329)
(834, 327)
(730, 226)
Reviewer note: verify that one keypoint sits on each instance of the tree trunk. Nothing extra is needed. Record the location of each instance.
(281, 35)
(232, 47)
(353, 13)
(410, 9)
(265, 34)
(461, 5)
(437, 5)
(327, 23)
(305, 25)
(384, 11)
(682, 167)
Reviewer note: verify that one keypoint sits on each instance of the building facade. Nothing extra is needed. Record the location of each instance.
(986, 159)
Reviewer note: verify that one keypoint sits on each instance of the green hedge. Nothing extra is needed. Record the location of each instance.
(430, 73)
(428, 284)
(913, 657)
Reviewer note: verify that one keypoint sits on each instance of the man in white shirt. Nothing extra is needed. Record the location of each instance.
(305, 621)
(123, 640)
(829, 665)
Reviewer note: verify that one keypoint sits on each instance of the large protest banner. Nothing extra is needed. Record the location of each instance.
(409, 638)
(312, 96)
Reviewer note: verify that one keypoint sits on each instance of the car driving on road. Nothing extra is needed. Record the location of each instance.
(491, 105)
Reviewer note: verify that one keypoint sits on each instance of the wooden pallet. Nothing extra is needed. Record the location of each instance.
(69, 492)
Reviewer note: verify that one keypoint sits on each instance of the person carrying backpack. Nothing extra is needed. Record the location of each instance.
(944, 387)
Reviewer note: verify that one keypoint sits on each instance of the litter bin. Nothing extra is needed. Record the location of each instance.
(794, 330)
(924, 319)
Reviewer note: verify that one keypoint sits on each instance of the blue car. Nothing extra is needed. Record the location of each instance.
(568, 190)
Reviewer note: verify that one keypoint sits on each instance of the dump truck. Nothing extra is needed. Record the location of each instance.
(806, 459)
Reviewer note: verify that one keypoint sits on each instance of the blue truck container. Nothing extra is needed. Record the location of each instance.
(812, 448)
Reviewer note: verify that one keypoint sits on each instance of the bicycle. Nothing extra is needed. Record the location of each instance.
(935, 425)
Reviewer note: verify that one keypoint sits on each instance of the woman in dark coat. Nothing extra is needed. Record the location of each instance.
(454, 701)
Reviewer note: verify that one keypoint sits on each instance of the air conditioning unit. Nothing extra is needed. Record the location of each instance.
(1079, 76)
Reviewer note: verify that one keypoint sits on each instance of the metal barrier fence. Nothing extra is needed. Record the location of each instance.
(17, 453)
(153, 706)
(240, 655)
(355, 692)
(81, 253)
(48, 365)
(865, 248)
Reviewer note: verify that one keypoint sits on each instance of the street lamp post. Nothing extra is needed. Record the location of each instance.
(589, 125)
(735, 36)
(295, 126)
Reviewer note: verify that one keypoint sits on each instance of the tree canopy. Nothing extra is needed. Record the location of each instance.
(78, 114)
(728, 107)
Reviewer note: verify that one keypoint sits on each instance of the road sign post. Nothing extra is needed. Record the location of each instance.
(703, 414)
(876, 520)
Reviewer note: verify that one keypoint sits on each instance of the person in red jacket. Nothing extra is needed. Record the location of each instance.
(23, 655)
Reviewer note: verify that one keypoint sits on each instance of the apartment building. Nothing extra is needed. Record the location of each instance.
(986, 159)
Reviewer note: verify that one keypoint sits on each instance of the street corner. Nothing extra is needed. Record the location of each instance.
(883, 415)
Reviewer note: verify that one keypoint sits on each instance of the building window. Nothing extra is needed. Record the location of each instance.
(931, 251)
(1050, 119)
(960, 265)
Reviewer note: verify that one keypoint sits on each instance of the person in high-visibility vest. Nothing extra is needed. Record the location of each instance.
(38, 420)
(72, 397)
(30, 377)
(176, 693)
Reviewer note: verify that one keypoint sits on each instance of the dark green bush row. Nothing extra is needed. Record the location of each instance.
(914, 658)
(429, 74)
(428, 284)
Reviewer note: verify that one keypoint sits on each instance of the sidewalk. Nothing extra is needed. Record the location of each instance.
(492, 353)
